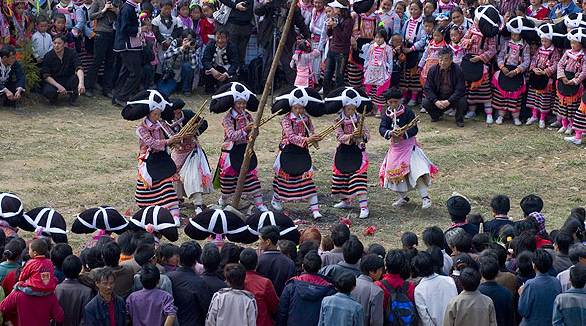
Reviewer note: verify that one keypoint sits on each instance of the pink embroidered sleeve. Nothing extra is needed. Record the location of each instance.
(489, 50)
(555, 59)
(561, 66)
(341, 135)
(580, 76)
(147, 139)
(290, 135)
(526, 58)
(533, 63)
(229, 132)
(466, 39)
(500, 58)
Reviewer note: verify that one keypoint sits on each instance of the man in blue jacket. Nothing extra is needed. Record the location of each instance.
(12, 83)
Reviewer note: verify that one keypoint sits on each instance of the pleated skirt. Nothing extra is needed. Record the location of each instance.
(228, 185)
(290, 188)
(349, 185)
(161, 193)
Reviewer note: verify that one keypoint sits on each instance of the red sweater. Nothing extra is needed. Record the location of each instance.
(267, 300)
(38, 275)
(395, 281)
(33, 310)
(206, 28)
(7, 285)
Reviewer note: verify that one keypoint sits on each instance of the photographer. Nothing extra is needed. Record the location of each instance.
(239, 25)
(220, 61)
(104, 14)
(180, 64)
(275, 14)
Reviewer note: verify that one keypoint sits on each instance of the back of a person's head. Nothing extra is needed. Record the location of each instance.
(340, 234)
(59, 252)
(249, 259)
(307, 246)
(352, 250)
(530, 204)
(71, 266)
(346, 282)
(395, 260)
(104, 274)
(501, 253)
(452, 234)
(311, 262)
(423, 263)
(287, 248)
(103, 241)
(500, 204)
(189, 253)
(578, 276)
(470, 279)
(310, 234)
(165, 252)
(574, 227)
(563, 240)
(13, 249)
(327, 243)
(480, 241)
(524, 242)
(143, 237)
(409, 240)
(39, 246)
(489, 268)
(463, 242)
(378, 249)
(270, 232)
(230, 254)
(505, 232)
(111, 254)
(235, 274)
(578, 213)
(525, 263)
(143, 254)
(91, 258)
(149, 276)
(438, 258)
(370, 263)
(577, 251)
(433, 236)
(463, 260)
(475, 219)
(542, 260)
(210, 257)
(525, 225)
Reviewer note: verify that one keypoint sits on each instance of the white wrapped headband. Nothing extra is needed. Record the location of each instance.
(520, 26)
(271, 216)
(236, 95)
(546, 31)
(10, 214)
(479, 14)
(47, 228)
(346, 100)
(101, 211)
(577, 22)
(153, 105)
(577, 34)
(213, 220)
(156, 226)
(303, 100)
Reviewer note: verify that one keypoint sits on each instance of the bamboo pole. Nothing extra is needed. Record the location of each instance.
(261, 107)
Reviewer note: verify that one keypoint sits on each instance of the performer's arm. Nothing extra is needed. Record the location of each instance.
(555, 58)
(230, 133)
(561, 66)
(342, 137)
(294, 139)
(412, 132)
(153, 143)
(385, 127)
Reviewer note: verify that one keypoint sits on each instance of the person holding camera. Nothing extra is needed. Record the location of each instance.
(180, 64)
(220, 61)
(103, 13)
(239, 25)
(270, 29)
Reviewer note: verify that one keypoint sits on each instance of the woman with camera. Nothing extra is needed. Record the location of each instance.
(180, 64)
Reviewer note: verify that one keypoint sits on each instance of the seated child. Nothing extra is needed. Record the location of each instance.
(36, 278)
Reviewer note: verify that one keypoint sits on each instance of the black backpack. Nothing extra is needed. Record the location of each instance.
(255, 77)
(400, 310)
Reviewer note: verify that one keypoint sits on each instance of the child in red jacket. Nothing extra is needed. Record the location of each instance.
(36, 278)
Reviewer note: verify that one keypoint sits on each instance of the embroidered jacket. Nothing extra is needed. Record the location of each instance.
(317, 25)
(546, 59)
(390, 21)
(431, 52)
(414, 34)
(473, 44)
(151, 137)
(365, 26)
(445, 6)
(380, 55)
(306, 11)
(458, 51)
(516, 54)
(294, 131)
(344, 131)
(234, 133)
(572, 61)
(404, 116)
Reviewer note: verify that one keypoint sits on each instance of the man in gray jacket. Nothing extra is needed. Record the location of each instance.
(368, 294)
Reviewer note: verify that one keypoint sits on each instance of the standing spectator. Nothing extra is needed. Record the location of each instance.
(433, 236)
(500, 205)
(233, 305)
(62, 72)
(42, 42)
(562, 9)
(352, 251)
(58, 254)
(181, 59)
(505, 277)
(340, 234)
(368, 294)
(272, 264)
(73, 296)
(106, 308)
(11, 256)
(104, 14)
(470, 307)
(339, 28)
(239, 25)
(12, 84)
(501, 297)
(577, 254)
(211, 258)
(570, 308)
(46, 308)
(124, 275)
(261, 287)
(397, 263)
(340, 309)
(220, 61)
(538, 294)
(145, 254)
(151, 306)
(301, 300)
(562, 242)
(190, 292)
(433, 293)
(128, 44)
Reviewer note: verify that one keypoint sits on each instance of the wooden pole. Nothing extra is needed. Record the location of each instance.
(261, 106)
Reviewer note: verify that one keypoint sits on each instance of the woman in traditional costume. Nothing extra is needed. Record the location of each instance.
(571, 74)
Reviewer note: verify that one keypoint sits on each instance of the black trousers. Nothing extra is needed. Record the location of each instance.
(11, 86)
(70, 83)
(240, 35)
(130, 74)
(210, 83)
(103, 53)
(434, 112)
(284, 63)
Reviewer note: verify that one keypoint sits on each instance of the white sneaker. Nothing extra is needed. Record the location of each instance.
(198, 210)
(569, 131)
(499, 120)
(422, 110)
(489, 119)
(555, 124)
(316, 215)
(400, 202)
(262, 208)
(426, 203)
(517, 122)
(450, 112)
(276, 204)
(222, 201)
(562, 130)
(343, 205)
(573, 140)
(530, 121)
(321, 91)
(363, 213)
(412, 103)
(541, 124)
(470, 114)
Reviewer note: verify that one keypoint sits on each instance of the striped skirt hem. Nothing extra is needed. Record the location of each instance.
(542, 102)
(579, 121)
(355, 75)
(410, 82)
(228, 185)
(481, 94)
(349, 185)
(505, 104)
(294, 188)
(566, 111)
(161, 193)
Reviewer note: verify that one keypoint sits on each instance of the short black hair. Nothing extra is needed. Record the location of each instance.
(40, 246)
(59, 37)
(288, 248)
(452, 234)
(446, 51)
(189, 253)
(111, 254)
(430, 19)
(210, 257)
(166, 3)
(91, 258)
(475, 219)
(59, 252)
(526, 225)
(143, 254)
(463, 242)
(41, 19)
(501, 204)
(489, 268)
(127, 246)
(222, 30)
(531, 203)
(409, 239)
(352, 250)
(188, 31)
(375, 248)
(480, 241)
(166, 251)
(104, 274)
(470, 279)
(235, 274)
(58, 15)
(423, 263)
(143, 237)
(270, 232)
(249, 259)
(382, 32)
(149, 276)
(563, 240)
(578, 276)
(463, 260)
(501, 253)
(340, 234)
(433, 236)
(312, 262)
(395, 260)
(542, 260)
(346, 282)
(524, 263)
(577, 251)
(7, 51)
(370, 263)
(524, 242)
(103, 240)
(71, 266)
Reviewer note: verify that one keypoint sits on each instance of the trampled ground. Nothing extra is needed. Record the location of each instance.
(76, 158)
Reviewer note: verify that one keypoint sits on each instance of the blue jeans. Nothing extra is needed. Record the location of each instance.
(335, 62)
(167, 87)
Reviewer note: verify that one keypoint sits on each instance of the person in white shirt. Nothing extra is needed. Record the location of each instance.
(42, 41)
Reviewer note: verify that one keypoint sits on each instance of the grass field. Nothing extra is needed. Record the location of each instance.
(76, 158)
